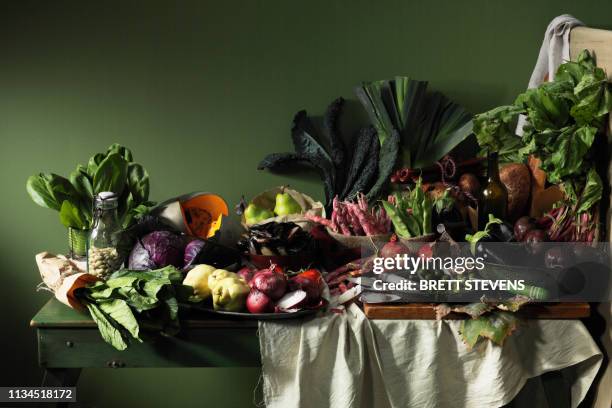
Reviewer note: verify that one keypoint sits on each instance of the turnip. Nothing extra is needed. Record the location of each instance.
(273, 284)
(259, 302)
(292, 300)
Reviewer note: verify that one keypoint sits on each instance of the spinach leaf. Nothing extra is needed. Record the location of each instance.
(40, 191)
(121, 151)
(138, 184)
(111, 171)
(82, 183)
(71, 216)
(94, 163)
(111, 174)
(50, 190)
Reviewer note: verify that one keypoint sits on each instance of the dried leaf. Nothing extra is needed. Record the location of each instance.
(496, 326)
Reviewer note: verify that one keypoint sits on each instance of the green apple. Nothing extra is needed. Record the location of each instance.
(286, 205)
(254, 214)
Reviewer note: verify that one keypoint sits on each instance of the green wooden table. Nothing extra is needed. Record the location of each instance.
(69, 341)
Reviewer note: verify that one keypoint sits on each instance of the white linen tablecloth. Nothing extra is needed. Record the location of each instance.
(346, 360)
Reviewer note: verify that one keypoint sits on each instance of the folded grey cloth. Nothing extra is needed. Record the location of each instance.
(554, 51)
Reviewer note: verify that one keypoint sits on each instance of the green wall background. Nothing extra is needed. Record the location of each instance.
(201, 91)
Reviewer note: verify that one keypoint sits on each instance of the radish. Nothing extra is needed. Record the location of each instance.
(393, 248)
(259, 302)
(426, 251)
(292, 300)
(273, 284)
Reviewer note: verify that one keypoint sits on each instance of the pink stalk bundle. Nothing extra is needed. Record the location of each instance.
(355, 218)
(563, 224)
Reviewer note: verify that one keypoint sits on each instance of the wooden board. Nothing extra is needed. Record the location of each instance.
(426, 311)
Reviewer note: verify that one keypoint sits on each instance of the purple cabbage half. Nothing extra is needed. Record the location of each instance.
(156, 250)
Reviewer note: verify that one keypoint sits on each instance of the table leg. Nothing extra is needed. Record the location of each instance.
(61, 377)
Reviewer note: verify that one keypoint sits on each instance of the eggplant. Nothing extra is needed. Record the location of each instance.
(492, 252)
(502, 233)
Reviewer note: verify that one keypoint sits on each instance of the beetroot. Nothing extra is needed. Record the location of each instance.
(533, 241)
(273, 284)
(522, 226)
(259, 302)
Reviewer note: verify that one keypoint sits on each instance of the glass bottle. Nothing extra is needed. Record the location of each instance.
(494, 196)
(103, 256)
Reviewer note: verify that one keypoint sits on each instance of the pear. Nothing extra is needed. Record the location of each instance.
(254, 214)
(286, 205)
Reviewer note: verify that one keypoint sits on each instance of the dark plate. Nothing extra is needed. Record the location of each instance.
(257, 316)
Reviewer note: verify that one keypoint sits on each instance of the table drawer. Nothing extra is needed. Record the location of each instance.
(84, 348)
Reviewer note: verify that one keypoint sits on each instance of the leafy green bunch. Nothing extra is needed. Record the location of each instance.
(128, 298)
(113, 170)
(410, 212)
(429, 124)
(564, 116)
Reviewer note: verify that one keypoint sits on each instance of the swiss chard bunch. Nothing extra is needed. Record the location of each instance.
(410, 212)
(428, 124)
(113, 170)
(564, 116)
(344, 171)
(495, 132)
(128, 298)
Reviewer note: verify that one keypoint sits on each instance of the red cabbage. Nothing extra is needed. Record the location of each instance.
(192, 250)
(156, 250)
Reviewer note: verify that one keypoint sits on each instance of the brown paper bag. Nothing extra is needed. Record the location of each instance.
(63, 276)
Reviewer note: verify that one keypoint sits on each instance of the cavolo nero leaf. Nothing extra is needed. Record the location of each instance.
(332, 134)
(364, 164)
(362, 167)
(387, 159)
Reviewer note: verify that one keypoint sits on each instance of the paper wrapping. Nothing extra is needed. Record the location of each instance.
(64, 276)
